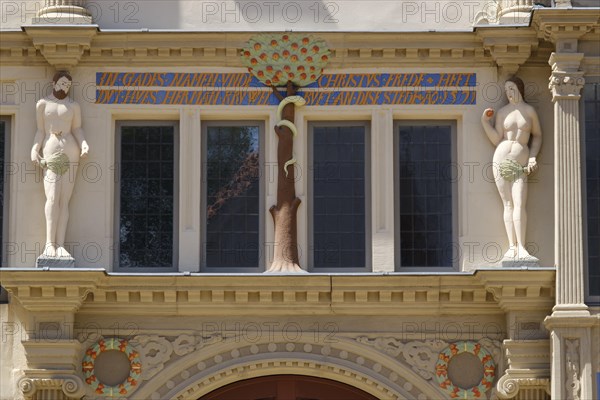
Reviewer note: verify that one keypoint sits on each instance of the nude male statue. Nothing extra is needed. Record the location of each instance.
(60, 139)
(516, 123)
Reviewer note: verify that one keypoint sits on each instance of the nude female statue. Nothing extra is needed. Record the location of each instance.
(516, 124)
(60, 139)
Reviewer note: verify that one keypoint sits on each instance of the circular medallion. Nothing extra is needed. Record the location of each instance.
(487, 362)
(89, 363)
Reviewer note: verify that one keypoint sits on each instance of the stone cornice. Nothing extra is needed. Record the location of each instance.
(62, 47)
(520, 291)
(349, 50)
(571, 321)
(16, 48)
(509, 47)
(45, 291)
(510, 51)
(555, 24)
(486, 292)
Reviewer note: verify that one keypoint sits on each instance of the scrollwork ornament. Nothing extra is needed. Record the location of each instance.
(388, 345)
(27, 386)
(73, 387)
(507, 388)
(422, 356)
(184, 344)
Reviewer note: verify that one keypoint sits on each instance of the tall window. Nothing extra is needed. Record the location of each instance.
(232, 196)
(146, 198)
(592, 185)
(338, 218)
(424, 194)
(4, 148)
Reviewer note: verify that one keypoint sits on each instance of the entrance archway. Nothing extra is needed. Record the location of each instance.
(288, 387)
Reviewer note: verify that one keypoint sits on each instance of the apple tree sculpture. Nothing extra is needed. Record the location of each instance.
(291, 60)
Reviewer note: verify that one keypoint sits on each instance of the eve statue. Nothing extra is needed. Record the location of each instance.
(516, 124)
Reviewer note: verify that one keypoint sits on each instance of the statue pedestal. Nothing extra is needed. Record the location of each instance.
(515, 263)
(55, 262)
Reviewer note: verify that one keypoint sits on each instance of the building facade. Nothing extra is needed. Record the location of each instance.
(403, 275)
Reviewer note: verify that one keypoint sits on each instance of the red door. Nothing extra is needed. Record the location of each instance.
(288, 387)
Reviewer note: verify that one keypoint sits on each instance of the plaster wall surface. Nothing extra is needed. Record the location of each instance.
(246, 15)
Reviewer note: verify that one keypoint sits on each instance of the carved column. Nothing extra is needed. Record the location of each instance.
(566, 83)
(570, 323)
(63, 12)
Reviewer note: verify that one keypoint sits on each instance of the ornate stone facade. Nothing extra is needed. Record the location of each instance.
(519, 333)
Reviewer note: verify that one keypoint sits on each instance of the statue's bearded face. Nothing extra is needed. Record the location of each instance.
(62, 86)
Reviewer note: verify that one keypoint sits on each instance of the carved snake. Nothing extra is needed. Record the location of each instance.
(298, 101)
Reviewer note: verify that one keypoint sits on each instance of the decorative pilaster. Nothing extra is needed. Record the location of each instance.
(63, 12)
(566, 83)
(570, 323)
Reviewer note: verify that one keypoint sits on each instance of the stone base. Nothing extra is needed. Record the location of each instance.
(55, 262)
(62, 20)
(515, 263)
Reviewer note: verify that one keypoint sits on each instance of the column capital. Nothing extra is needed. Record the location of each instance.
(528, 368)
(566, 80)
(36, 382)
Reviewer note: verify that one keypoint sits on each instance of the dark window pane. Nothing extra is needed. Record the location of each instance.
(425, 196)
(592, 165)
(339, 197)
(2, 161)
(146, 183)
(232, 196)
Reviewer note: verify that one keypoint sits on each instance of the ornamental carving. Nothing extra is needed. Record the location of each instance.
(573, 382)
(156, 350)
(422, 356)
(565, 85)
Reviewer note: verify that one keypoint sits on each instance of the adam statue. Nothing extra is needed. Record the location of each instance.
(517, 125)
(60, 140)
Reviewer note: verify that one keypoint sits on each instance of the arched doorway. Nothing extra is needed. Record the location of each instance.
(288, 387)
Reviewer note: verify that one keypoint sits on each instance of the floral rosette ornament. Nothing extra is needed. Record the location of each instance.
(489, 370)
(276, 59)
(135, 367)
